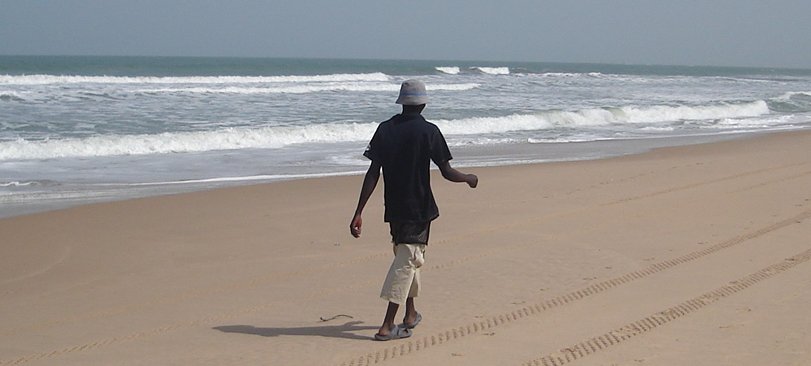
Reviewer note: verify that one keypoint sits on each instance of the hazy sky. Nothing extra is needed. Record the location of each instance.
(682, 32)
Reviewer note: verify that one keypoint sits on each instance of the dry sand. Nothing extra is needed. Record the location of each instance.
(695, 255)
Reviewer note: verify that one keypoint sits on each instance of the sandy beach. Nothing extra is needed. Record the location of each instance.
(692, 255)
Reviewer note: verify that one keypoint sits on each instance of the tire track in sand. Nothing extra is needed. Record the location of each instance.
(597, 343)
(415, 345)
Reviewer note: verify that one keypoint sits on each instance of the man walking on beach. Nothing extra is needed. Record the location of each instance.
(404, 147)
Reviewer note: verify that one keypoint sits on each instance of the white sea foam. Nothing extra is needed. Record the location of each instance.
(294, 89)
(277, 137)
(472, 140)
(303, 89)
(493, 70)
(224, 139)
(573, 74)
(19, 184)
(7, 95)
(601, 117)
(561, 74)
(788, 96)
(261, 177)
(687, 113)
(451, 70)
(69, 79)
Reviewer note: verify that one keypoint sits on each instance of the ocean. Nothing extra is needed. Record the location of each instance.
(75, 130)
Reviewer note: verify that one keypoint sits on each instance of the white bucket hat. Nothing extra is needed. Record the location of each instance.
(412, 92)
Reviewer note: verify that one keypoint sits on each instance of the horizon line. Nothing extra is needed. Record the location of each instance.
(608, 63)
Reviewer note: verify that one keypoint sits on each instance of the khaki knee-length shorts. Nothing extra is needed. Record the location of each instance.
(403, 279)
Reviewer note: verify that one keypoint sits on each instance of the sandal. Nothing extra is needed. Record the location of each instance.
(417, 321)
(396, 333)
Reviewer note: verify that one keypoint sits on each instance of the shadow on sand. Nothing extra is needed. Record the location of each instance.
(335, 331)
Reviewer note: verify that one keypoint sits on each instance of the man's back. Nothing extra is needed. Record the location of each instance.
(404, 146)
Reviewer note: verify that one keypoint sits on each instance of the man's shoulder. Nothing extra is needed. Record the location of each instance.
(431, 126)
(417, 121)
(388, 121)
(420, 120)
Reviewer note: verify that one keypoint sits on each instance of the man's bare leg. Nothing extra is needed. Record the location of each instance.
(411, 312)
(388, 322)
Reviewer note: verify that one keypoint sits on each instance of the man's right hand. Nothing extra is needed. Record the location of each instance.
(355, 225)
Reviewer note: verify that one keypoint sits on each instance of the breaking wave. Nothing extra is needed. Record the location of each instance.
(603, 117)
(493, 70)
(456, 70)
(792, 102)
(450, 70)
(281, 136)
(10, 96)
(68, 79)
(180, 142)
(303, 89)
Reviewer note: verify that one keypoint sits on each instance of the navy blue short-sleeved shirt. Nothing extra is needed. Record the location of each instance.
(404, 146)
